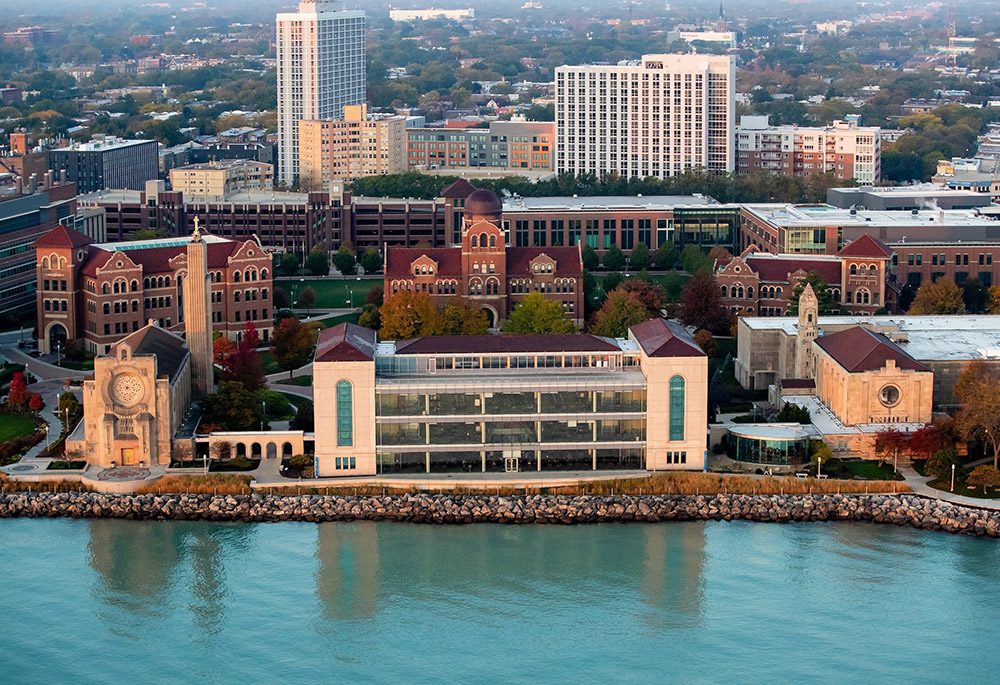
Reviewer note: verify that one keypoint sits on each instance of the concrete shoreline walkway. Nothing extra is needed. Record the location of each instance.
(919, 485)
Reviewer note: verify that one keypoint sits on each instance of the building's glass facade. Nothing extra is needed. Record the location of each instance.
(770, 448)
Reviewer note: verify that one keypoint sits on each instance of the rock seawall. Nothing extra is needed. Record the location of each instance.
(903, 509)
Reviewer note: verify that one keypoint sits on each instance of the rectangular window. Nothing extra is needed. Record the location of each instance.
(345, 415)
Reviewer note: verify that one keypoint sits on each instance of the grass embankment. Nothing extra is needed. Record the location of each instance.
(301, 381)
(16, 426)
(8, 485)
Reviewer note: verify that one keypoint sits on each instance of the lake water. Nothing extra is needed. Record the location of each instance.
(118, 601)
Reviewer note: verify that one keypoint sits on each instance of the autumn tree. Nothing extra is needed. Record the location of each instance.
(222, 347)
(993, 300)
(652, 296)
(538, 314)
(306, 298)
(978, 391)
(244, 364)
(464, 318)
(292, 344)
(984, 476)
(370, 317)
(824, 296)
(890, 442)
(345, 260)
(35, 402)
(938, 297)
(706, 341)
(620, 311)
(375, 296)
(409, 314)
(317, 262)
(17, 393)
(701, 306)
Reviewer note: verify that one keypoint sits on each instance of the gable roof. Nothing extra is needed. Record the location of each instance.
(568, 262)
(398, 260)
(662, 338)
(167, 347)
(459, 189)
(859, 349)
(157, 259)
(486, 344)
(345, 342)
(777, 268)
(866, 246)
(61, 236)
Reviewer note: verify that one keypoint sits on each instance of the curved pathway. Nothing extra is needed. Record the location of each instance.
(919, 485)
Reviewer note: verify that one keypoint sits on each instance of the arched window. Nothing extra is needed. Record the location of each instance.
(493, 241)
(135, 286)
(166, 281)
(345, 415)
(246, 276)
(263, 274)
(864, 270)
(677, 408)
(104, 288)
(236, 276)
(483, 240)
(750, 292)
(725, 291)
(854, 269)
(45, 262)
(475, 241)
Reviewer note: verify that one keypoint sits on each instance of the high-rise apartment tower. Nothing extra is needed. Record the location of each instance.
(657, 116)
(321, 68)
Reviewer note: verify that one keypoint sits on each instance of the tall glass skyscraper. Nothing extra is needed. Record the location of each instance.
(321, 68)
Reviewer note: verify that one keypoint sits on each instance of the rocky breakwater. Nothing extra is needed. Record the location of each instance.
(906, 509)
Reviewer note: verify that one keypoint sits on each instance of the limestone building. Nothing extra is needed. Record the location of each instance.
(509, 402)
(353, 146)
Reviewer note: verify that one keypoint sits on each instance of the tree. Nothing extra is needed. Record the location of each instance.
(993, 301)
(292, 344)
(149, 234)
(222, 347)
(938, 297)
(614, 259)
(701, 306)
(289, 264)
(370, 317)
(819, 454)
(793, 413)
(17, 393)
(974, 295)
(68, 404)
(824, 296)
(611, 281)
(891, 441)
(620, 311)
(244, 365)
(317, 262)
(537, 314)
(408, 315)
(640, 257)
(940, 465)
(371, 262)
(35, 402)
(695, 261)
(666, 256)
(375, 296)
(706, 342)
(345, 260)
(978, 391)
(280, 299)
(589, 258)
(306, 299)
(232, 408)
(464, 318)
(985, 476)
(652, 296)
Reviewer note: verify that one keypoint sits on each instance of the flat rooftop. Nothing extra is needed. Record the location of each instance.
(101, 145)
(157, 242)
(918, 189)
(826, 215)
(606, 202)
(925, 338)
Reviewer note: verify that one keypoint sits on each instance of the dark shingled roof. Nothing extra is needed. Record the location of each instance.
(662, 338)
(797, 383)
(515, 344)
(858, 349)
(866, 246)
(460, 189)
(398, 260)
(345, 342)
(60, 236)
(167, 347)
(777, 269)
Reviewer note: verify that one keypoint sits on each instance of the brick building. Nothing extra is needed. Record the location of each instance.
(761, 284)
(484, 270)
(96, 293)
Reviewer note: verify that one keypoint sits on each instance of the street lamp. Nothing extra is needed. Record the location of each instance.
(47, 437)
(58, 353)
(65, 414)
(953, 478)
(819, 466)
(263, 407)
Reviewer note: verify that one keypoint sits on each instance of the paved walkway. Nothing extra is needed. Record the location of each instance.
(40, 369)
(919, 485)
(267, 475)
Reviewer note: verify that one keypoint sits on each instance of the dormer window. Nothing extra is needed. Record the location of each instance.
(534, 267)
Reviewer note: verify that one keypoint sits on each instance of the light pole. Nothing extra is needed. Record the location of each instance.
(47, 445)
(65, 414)
(263, 408)
(953, 478)
(819, 467)
(58, 353)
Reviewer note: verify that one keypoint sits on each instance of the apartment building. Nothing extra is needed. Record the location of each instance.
(510, 145)
(843, 149)
(354, 146)
(107, 162)
(658, 116)
(216, 180)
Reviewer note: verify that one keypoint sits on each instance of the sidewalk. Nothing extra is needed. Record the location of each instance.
(919, 485)
(41, 370)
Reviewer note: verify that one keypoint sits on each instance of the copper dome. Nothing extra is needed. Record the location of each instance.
(483, 204)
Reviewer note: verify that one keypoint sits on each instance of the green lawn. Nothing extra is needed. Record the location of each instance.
(301, 381)
(331, 321)
(962, 489)
(333, 293)
(870, 470)
(270, 366)
(14, 426)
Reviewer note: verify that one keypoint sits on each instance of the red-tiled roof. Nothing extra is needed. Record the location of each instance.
(157, 259)
(777, 269)
(460, 189)
(345, 342)
(60, 236)
(858, 349)
(398, 260)
(567, 260)
(866, 246)
(662, 338)
(516, 344)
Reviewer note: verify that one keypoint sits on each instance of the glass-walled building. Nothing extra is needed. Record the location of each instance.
(478, 404)
(776, 444)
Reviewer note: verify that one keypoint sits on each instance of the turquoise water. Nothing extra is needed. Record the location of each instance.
(119, 601)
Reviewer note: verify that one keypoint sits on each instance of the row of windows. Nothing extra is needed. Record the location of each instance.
(52, 285)
(55, 305)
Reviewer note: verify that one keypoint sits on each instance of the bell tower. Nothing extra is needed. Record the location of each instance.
(808, 330)
(197, 315)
